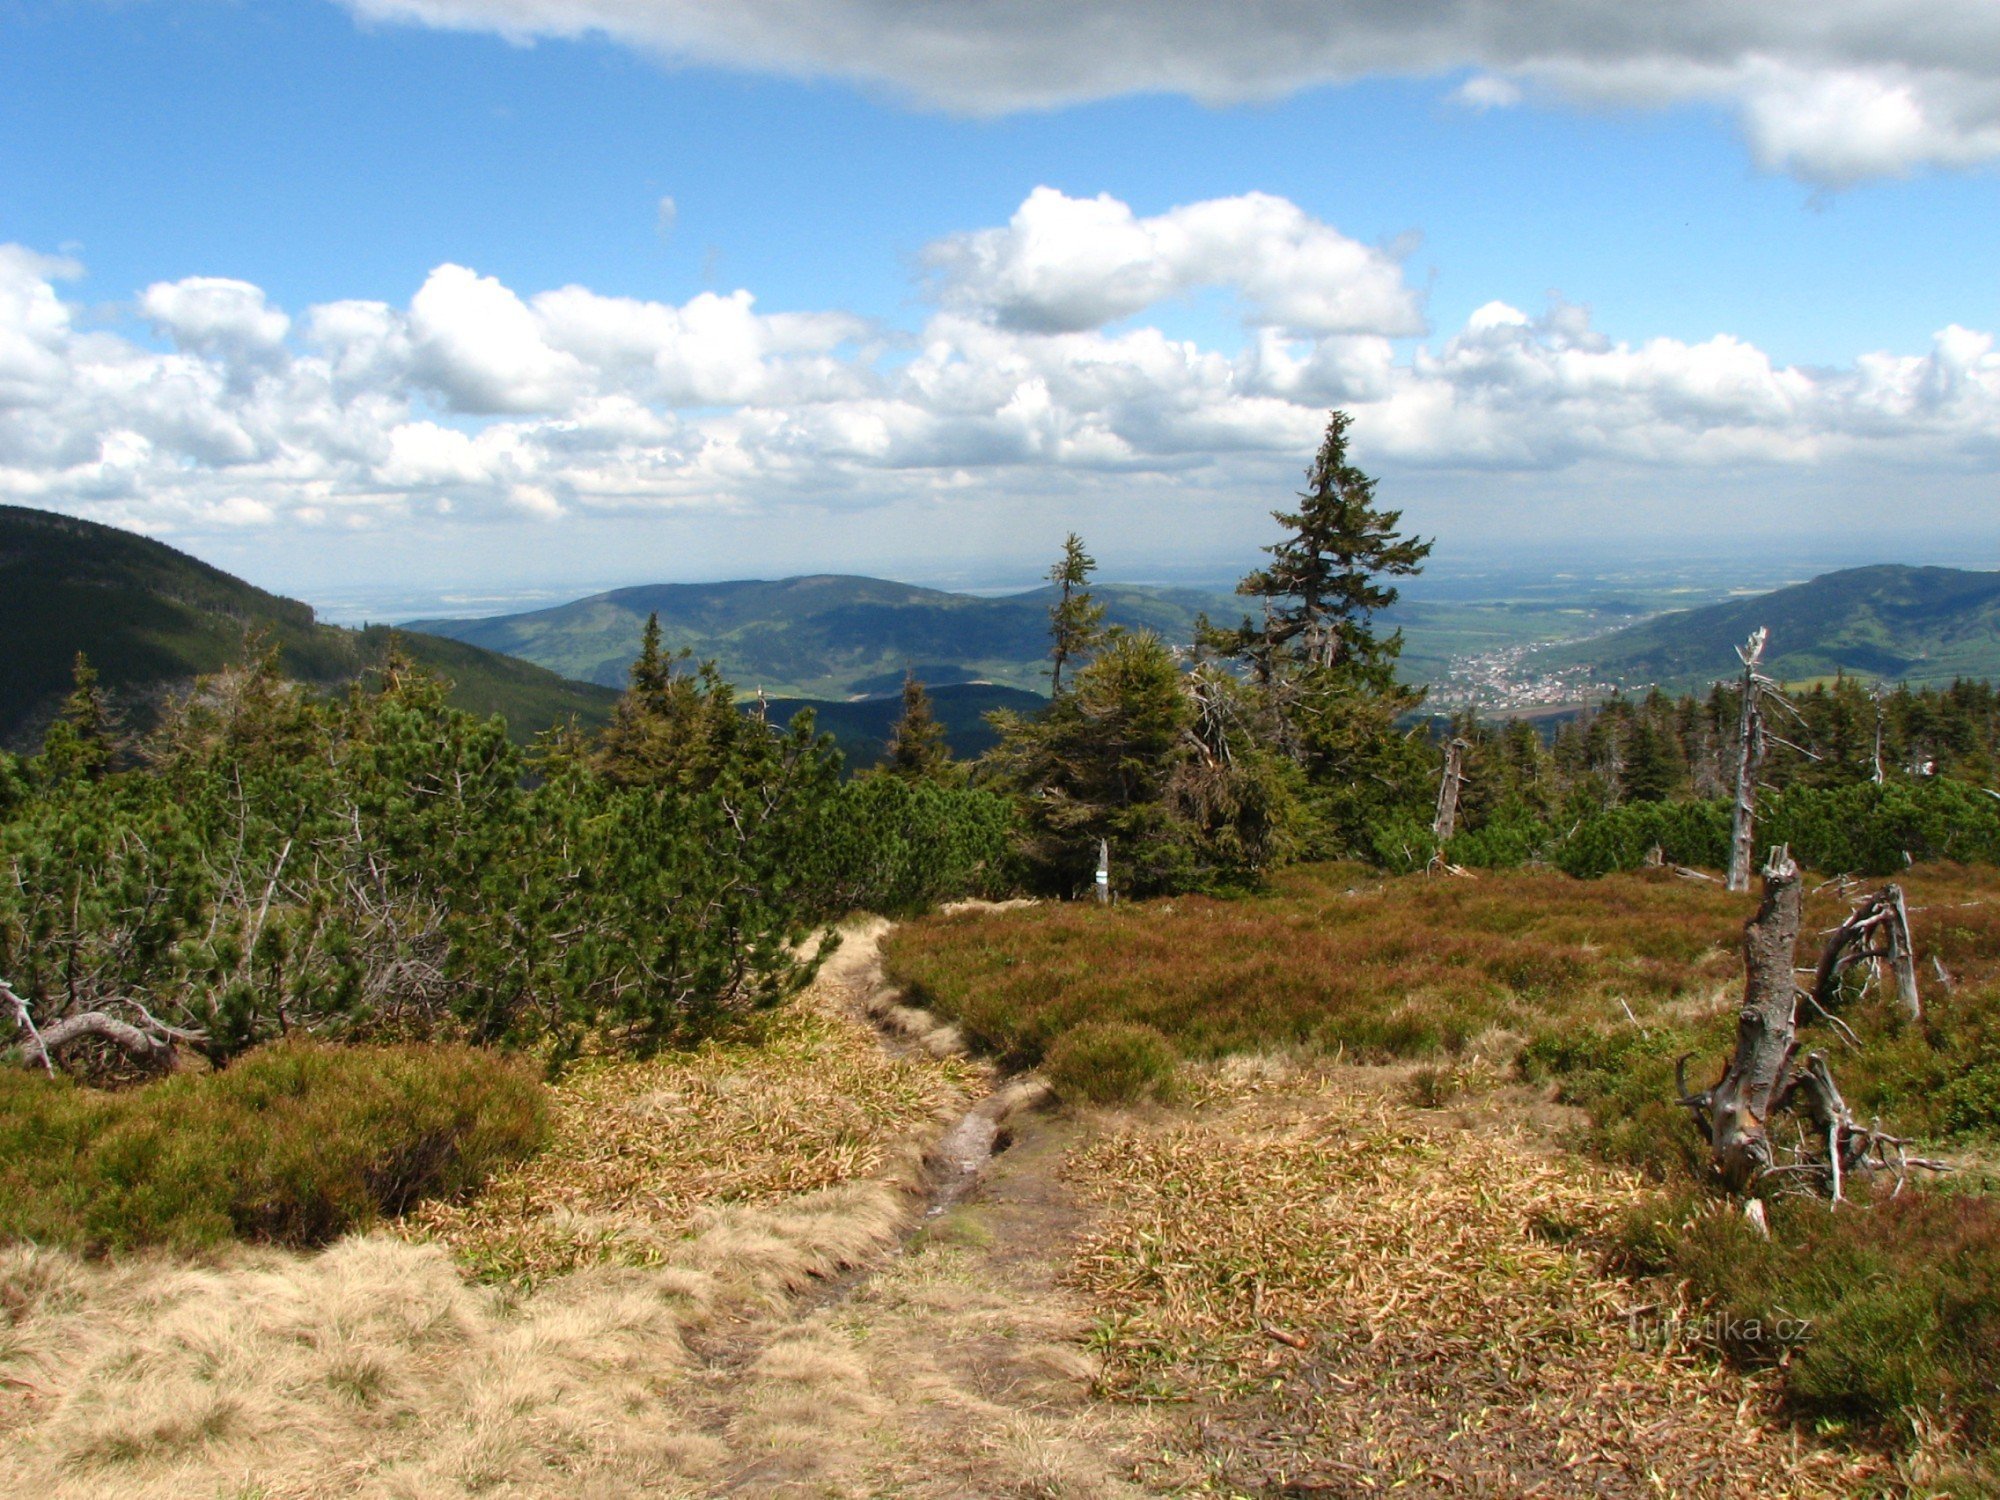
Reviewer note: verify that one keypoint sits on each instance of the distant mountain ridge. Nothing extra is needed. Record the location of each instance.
(1889, 622)
(151, 618)
(861, 728)
(823, 636)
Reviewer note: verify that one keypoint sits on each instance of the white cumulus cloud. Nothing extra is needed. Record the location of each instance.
(1833, 90)
(1035, 370)
(230, 320)
(1067, 264)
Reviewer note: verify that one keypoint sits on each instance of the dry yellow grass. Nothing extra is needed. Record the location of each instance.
(1363, 1296)
(682, 1195)
(808, 1101)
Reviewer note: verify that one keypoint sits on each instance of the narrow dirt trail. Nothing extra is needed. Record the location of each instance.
(953, 1364)
(1297, 1280)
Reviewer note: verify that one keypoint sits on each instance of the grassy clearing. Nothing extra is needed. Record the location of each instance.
(1589, 990)
(293, 1145)
(1362, 1297)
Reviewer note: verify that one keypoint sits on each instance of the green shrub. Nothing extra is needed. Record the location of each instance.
(296, 1144)
(1894, 1305)
(1110, 1062)
(1877, 830)
(1503, 844)
(1686, 833)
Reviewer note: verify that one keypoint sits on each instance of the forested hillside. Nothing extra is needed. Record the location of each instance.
(1892, 623)
(862, 728)
(150, 618)
(827, 636)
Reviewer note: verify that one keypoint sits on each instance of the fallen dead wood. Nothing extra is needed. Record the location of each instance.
(148, 1040)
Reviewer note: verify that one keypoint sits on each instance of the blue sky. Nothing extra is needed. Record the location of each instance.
(1756, 248)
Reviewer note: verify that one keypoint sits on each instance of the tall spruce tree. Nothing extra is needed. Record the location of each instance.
(1328, 677)
(1076, 622)
(674, 728)
(83, 741)
(1324, 583)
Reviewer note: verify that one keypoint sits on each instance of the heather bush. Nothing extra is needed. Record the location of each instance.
(1329, 956)
(1110, 1062)
(295, 1144)
(1891, 1307)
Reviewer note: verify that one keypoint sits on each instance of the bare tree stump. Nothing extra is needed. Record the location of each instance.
(1763, 1080)
(1739, 1107)
(1446, 822)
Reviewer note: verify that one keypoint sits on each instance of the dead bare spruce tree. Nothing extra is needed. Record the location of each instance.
(1749, 760)
(1766, 1078)
(1446, 822)
(1753, 735)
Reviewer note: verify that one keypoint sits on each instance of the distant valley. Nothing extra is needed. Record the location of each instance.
(1887, 623)
(151, 619)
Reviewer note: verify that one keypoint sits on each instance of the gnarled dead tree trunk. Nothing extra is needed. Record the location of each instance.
(148, 1041)
(1738, 1109)
(1877, 933)
(1765, 1078)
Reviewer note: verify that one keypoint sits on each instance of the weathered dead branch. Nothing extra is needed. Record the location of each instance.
(1877, 933)
(149, 1041)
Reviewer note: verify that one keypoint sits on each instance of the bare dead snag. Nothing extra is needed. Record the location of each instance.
(1446, 821)
(1749, 759)
(1763, 1080)
(1877, 933)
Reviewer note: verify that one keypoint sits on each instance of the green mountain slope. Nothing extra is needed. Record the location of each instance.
(151, 618)
(828, 636)
(861, 728)
(1899, 624)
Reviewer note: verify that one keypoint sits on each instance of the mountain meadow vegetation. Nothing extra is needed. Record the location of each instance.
(400, 1103)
